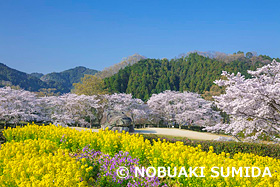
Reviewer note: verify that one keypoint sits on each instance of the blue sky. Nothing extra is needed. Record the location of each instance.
(47, 36)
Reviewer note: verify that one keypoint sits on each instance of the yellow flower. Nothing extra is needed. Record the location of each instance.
(34, 156)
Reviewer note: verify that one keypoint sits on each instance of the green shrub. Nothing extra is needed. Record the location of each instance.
(271, 150)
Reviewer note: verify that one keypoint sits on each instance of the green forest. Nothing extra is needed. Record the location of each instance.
(194, 73)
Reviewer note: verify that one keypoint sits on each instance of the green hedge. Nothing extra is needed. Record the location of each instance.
(194, 128)
(271, 150)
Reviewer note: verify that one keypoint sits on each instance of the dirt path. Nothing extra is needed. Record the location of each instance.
(171, 132)
(178, 132)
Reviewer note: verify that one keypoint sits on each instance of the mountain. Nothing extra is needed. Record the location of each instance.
(9, 76)
(194, 73)
(142, 77)
(64, 80)
(111, 70)
(38, 75)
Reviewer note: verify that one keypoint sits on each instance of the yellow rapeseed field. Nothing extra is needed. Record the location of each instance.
(41, 156)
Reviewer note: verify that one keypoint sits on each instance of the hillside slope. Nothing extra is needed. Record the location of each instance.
(64, 80)
(193, 73)
(10, 76)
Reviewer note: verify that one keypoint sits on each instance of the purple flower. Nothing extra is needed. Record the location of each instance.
(108, 166)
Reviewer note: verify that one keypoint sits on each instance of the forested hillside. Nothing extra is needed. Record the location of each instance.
(38, 75)
(9, 76)
(64, 80)
(193, 73)
(58, 82)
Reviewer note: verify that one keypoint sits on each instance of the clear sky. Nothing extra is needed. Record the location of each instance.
(47, 36)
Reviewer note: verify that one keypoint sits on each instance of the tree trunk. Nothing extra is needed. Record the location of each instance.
(90, 125)
(237, 138)
(132, 119)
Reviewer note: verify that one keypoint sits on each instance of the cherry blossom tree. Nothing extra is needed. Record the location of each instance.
(71, 109)
(133, 107)
(19, 105)
(183, 108)
(253, 104)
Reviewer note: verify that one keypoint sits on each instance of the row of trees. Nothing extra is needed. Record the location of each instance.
(184, 108)
(21, 105)
(249, 57)
(84, 110)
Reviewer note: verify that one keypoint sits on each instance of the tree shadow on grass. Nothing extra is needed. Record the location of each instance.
(145, 131)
